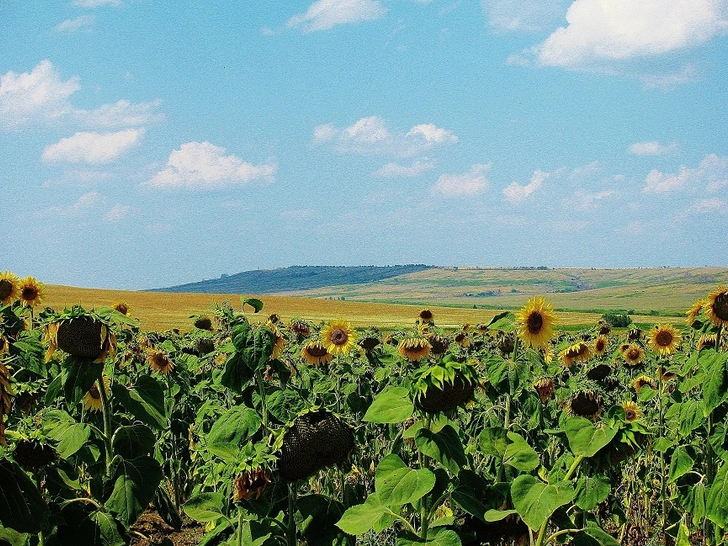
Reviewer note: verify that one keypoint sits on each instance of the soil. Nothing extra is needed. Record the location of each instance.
(151, 530)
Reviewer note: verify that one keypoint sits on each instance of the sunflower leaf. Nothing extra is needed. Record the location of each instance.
(392, 405)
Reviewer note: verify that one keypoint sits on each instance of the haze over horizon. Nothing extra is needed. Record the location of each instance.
(147, 144)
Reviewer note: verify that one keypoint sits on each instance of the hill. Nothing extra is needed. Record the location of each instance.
(269, 281)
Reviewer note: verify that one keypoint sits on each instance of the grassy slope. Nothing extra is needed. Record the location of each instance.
(448, 292)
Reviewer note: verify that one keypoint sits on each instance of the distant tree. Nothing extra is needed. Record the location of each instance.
(617, 319)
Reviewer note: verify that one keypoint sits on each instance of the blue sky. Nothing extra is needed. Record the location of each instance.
(149, 143)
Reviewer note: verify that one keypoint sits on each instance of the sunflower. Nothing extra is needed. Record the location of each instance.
(203, 323)
(300, 328)
(694, 311)
(578, 352)
(314, 352)
(632, 411)
(664, 339)
(635, 334)
(9, 287)
(425, 316)
(482, 328)
(586, 403)
(462, 339)
(545, 388)
(536, 322)
(633, 355)
(338, 336)
(666, 374)
(31, 291)
(716, 306)
(92, 399)
(122, 307)
(600, 345)
(414, 349)
(438, 344)
(623, 347)
(250, 483)
(160, 362)
(707, 341)
(643, 381)
(279, 341)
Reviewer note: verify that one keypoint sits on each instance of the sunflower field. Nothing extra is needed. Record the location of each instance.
(270, 433)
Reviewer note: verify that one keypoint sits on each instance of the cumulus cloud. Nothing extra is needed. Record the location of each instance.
(712, 172)
(326, 14)
(582, 200)
(395, 170)
(517, 193)
(117, 213)
(42, 96)
(92, 148)
(73, 25)
(203, 166)
(523, 15)
(473, 182)
(652, 147)
(84, 205)
(704, 206)
(370, 135)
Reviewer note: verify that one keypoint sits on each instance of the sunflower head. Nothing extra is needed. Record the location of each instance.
(578, 352)
(586, 403)
(600, 345)
(633, 355)
(545, 388)
(536, 321)
(301, 328)
(203, 323)
(643, 381)
(463, 339)
(632, 411)
(314, 352)
(251, 483)
(122, 307)
(425, 316)
(414, 349)
(279, 342)
(33, 455)
(717, 306)
(438, 343)
(666, 374)
(664, 339)
(92, 399)
(338, 336)
(31, 292)
(160, 362)
(635, 334)
(604, 328)
(694, 311)
(707, 341)
(9, 287)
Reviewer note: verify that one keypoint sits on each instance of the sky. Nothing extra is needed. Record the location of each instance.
(149, 143)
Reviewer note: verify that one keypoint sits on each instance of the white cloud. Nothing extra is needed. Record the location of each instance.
(39, 93)
(299, 215)
(85, 204)
(471, 183)
(73, 25)
(120, 114)
(711, 172)
(652, 147)
(93, 148)
(370, 135)
(325, 14)
(704, 206)
(95, 3)
(202, 165)
(582, 200)
(395, 170)
(117, 213)
(516, 193)
(600, 30)
(524, 15)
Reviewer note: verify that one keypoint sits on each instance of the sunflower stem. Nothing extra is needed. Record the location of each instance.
(660, 433)
(424, 508)
(291, 514)
(261, 391)
(106, 414)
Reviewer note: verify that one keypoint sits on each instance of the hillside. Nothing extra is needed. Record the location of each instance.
(268, 281)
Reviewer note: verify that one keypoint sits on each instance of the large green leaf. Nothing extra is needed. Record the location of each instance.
(715, 382)
(535, 501)
(444, 446)
(362, 518)
(680, 464)
(133, 441)
(493, 441)
(205, 507)
(585, 439)
(316, 519)
(11, 537)
(443, 537)
(70, 435)
(591, 491)
(80, 374)
(135, 481)
(144, 400)
(519, 454)
(22, 507)
(234, 427)
(716, 503)
(253, 349)
(397, 484)
(392, 405)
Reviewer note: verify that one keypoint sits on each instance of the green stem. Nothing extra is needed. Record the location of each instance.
(261, 390)
(424, 507)
(106, 413)
(291, 514)
(542, 530)
(240, 526)
(660, 433)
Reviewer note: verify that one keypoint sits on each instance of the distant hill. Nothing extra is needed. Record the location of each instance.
(294, 278)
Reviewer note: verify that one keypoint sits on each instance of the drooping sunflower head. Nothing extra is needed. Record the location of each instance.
(9, 287)
(623, 347)
(414, 349)
(717, 306)
(586, 403)
(664, 339)
(578, 352)
(632, 411)
(643, 381)
(633, 355)
(604, 328)
(160, 362)
(438, 343)
(665, 374)
(203, 322)
(694, 311)
(314, 352)
(425, 316)
(251, 483)
(301, 328)
(536, 321)
(92, 399)
(545, 388)
(279, 342)
(338, 336)
(635, 334)
(600, 345)
(31, 292)
(707, 341)
(463, 339)
(122, 307)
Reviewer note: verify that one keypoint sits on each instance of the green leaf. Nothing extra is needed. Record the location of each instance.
(591, 491)
(253, 349)
(22, 507)
(392, 405)
(601, 536)
(233, 428)
(585, 439)
(80, 374)
(255, 303)
(107, 532)
(716, 504)
(519, 454)
(133, 441)
(397, 484)
(135, 481)
(535, 501)
(715, 383)
(683, 536)
(681, 463)
(70, 435)
(12, 537)
(493, 441)
(144, 400)
(445, 447)
(204, 507)
(316, 519)
(492, 516)
(444, 537)
(362, 518)
(690, 416)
